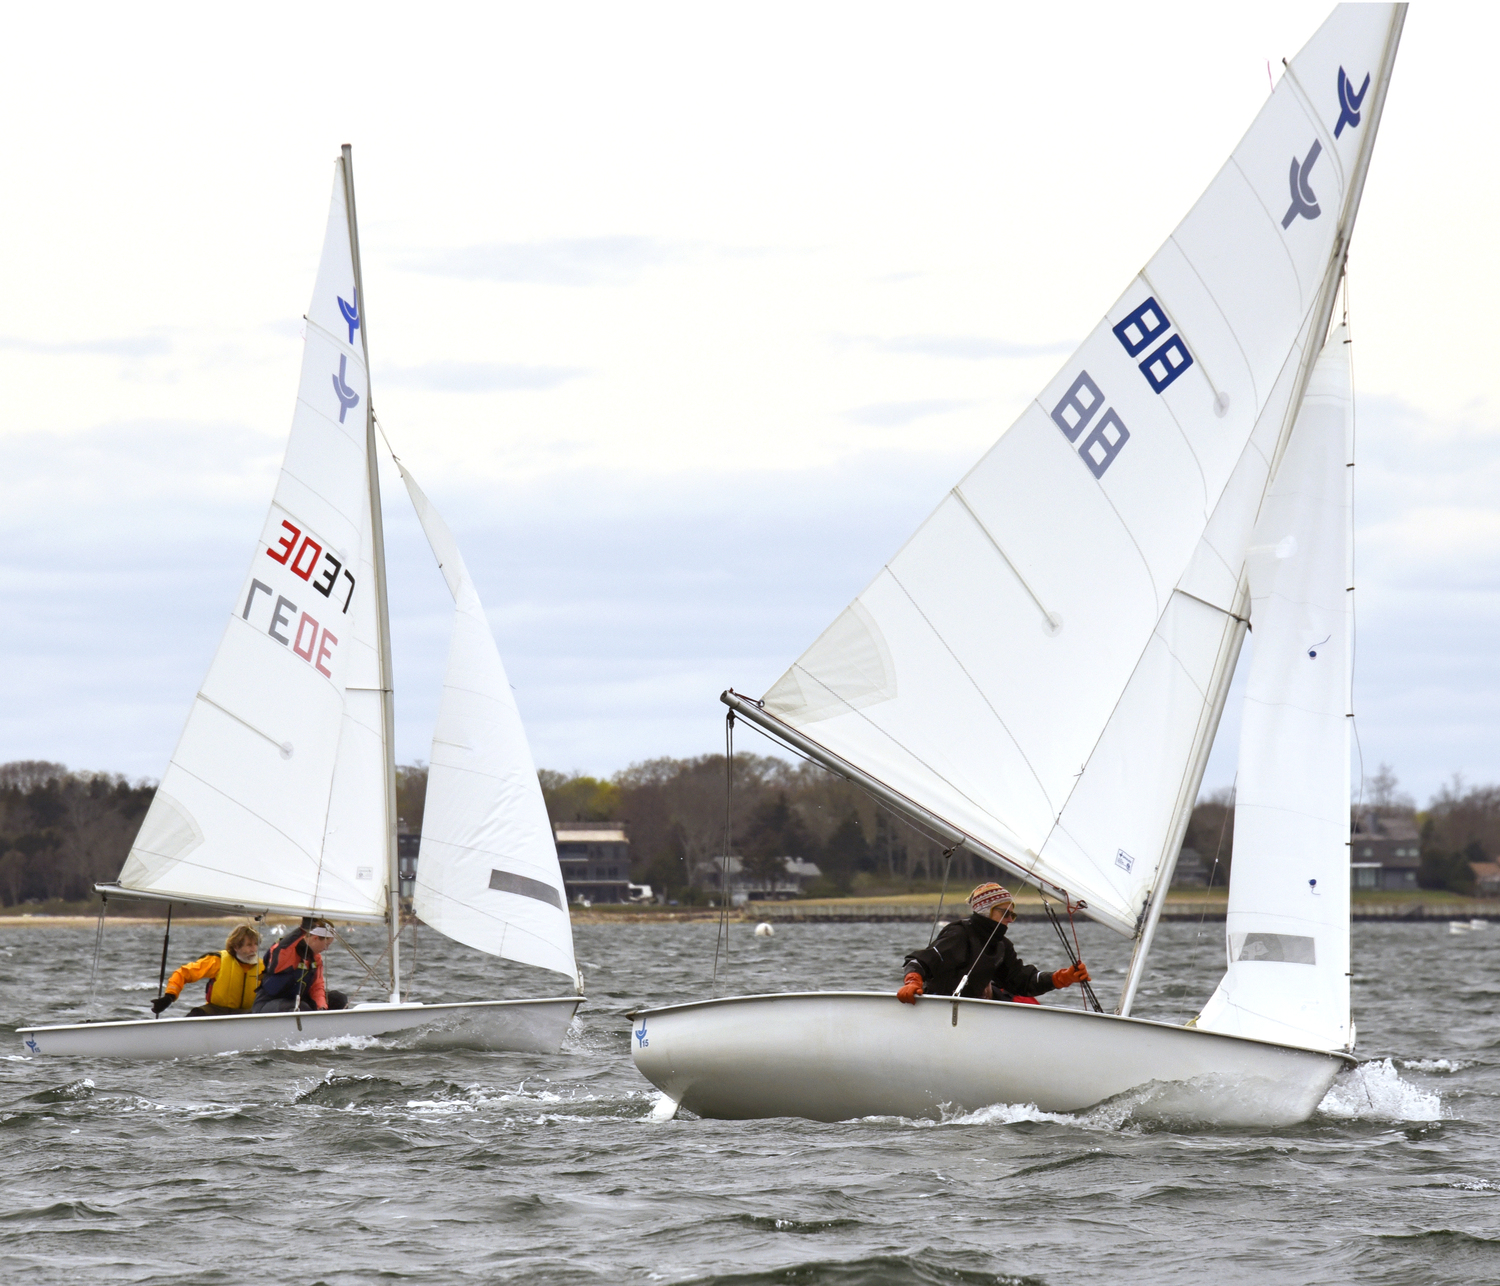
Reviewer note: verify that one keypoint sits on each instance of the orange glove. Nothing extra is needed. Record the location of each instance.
(1073, 973)
(911, 988)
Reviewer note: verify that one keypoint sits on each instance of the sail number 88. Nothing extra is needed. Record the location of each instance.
(1076, 411)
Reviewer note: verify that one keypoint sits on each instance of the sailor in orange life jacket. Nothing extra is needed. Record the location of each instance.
(232, 974)
(978, 951)
(293, 978)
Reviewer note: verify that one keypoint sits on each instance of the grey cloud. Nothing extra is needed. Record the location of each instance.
(624, 603)
(481, 377)
(890, 415)
(584, 261)
(124, 346)
(972, 348)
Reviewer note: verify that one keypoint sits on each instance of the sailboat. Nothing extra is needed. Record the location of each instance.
(280, 797)
(1037, 676)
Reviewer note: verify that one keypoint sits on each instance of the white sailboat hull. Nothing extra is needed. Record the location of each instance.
(834, 1056)
(518, 1026)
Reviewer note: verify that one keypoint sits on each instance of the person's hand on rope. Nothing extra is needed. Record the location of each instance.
(161, 1002)
(911, 988)
(1073, 973)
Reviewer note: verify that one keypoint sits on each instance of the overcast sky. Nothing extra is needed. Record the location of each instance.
(683, 316)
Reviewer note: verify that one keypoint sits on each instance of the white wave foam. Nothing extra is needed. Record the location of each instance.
(1434, 1064)
(1475, 1185)
(438, 1107)
(335, 1042)
(1374, 1091)
(1010, 1114)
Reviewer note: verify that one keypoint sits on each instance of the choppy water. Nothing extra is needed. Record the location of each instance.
(345, 1165)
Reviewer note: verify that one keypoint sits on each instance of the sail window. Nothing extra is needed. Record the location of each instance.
(524, 886)
(1285, 948)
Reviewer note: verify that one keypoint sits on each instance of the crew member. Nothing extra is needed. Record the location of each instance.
(232, 974)
(978, 948)
(293, 977)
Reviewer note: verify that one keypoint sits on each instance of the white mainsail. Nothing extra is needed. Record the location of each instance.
(1042, 666)
(488, 875)
(1288, 922)
(247, 813)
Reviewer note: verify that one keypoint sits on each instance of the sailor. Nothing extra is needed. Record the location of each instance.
(232, 974)
(293, 977)
(977, 947)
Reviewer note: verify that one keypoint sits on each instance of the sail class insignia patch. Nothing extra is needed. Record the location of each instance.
(1304, 199)
(1349, 102)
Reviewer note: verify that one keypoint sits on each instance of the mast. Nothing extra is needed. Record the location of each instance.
(1322, 318)
(382, 611)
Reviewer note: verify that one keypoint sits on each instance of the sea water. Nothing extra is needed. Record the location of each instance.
(367, 1161)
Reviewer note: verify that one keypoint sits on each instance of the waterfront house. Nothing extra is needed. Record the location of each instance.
(595, 860)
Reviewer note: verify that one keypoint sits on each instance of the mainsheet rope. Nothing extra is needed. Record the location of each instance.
(98, 945)
(721, 938)
(1074, 957)
(938, 914)
(166, 940)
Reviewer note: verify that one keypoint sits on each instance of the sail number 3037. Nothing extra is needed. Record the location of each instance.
(305, 561)
(293, 628)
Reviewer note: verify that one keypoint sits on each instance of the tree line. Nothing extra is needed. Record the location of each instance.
(63, 831)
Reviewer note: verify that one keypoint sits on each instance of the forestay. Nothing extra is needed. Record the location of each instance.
(247, 812)
(1042, 666)
(1288, 923)
(488, 875)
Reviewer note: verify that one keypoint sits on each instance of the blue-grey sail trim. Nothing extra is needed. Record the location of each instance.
(1286, 948)
(526, 887)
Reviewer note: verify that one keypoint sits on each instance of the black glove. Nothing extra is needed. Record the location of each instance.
(161, 1002)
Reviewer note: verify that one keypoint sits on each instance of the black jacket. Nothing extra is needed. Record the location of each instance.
(960, 948)
(291, 967)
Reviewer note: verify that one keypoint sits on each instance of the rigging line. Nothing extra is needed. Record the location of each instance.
(98, 945)
(161, 982)
(374, 971)
(721, 936)
(359, 959)
(964, 981)
(380, 428)
(1214, 868)
(880, 804)
(1074, 958)
(1244, 620)
(1353, 597)
(938, 914)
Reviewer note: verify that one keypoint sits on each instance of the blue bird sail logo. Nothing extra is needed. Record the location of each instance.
(1349, 102)
(351, 311)
(348, 398)
(1304, 199)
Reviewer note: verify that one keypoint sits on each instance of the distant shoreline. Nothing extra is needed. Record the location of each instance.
(1181, 905)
